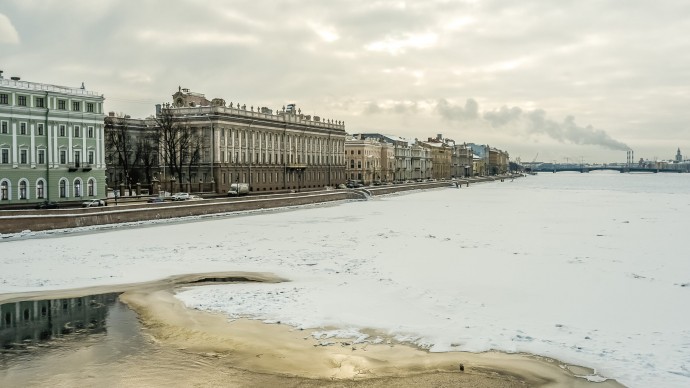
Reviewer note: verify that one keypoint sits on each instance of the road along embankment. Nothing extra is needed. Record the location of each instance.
(15, 221)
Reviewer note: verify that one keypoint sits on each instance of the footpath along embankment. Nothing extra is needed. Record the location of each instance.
(15, 221)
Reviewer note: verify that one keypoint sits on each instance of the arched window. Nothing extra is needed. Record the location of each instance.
(4, 190)
(63, 188)
(40, 189)
(22, 189)
(77, 188)
(91, 187)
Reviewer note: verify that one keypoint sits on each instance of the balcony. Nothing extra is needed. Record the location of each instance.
(72, 167)
(86, 167)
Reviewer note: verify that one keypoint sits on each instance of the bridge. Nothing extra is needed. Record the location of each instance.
(587, 168)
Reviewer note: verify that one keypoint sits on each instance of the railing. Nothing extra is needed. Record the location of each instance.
(46, 87)
(286, 117)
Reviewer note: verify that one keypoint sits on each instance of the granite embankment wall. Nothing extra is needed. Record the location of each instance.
(14, 221)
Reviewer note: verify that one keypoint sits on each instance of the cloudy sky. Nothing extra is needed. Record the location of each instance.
(568, 80)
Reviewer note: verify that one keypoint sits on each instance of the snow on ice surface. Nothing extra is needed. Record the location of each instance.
(587, 268)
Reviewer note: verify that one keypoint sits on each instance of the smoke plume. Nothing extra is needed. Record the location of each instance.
(531, 122)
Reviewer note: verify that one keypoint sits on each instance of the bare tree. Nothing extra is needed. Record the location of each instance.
(179, 144)
(121, 146)
(193, 152)
(147, 154)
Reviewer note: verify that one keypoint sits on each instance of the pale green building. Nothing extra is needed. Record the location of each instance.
(51, 143)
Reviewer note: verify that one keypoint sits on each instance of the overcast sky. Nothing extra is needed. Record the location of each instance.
(564, 79)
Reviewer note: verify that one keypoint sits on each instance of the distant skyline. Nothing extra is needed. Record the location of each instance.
(564, 80)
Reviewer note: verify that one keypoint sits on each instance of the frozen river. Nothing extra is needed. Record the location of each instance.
(590, 268)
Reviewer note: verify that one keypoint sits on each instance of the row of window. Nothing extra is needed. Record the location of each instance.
(40, 130)
(41, 157)
(39, 102)
(24, 189)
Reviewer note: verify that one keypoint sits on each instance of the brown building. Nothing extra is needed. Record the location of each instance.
(441, 157)
(498, 161)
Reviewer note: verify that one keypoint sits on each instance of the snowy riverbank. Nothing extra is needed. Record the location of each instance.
(586, 268)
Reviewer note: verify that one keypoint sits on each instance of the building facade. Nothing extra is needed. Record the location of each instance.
(363, 159)
(441, 157)
(400, 159)
(462, 164)
(51, 143)
(238, 144)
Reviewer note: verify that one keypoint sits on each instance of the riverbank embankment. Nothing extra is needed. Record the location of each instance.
(15, 221)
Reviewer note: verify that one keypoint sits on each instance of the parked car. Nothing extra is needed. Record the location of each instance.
(93, 203)
(47, 205)
(180, 196)
(156, 200)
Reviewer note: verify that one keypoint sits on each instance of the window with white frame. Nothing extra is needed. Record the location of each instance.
(40, 102)
(5, 156)
(90, 132)
(63, 131)
(89, 107)
(4, 127)
(4, 190)
(77, 188)
(22, 190)
(76, 106)
(62, 104)
(41, 156)
(40, 188)
(4, 98)
(63, 188)
(22, 128)
(23, 156)
(39, 129)
(63, 157)
(21, 100)
(91, 186)
(91, 157)
(77, 131)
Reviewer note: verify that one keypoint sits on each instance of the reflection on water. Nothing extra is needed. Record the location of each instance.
(28, 323)
(97, 341)
(42, 340)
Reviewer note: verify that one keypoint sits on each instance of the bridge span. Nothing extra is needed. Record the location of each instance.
(621, 169)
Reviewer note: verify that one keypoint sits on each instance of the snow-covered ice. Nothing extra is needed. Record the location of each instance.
(591, 269)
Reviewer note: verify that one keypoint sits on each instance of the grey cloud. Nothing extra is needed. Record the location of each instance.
(457, 113)
(372, 108)
(399, 108)
(502, 116)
